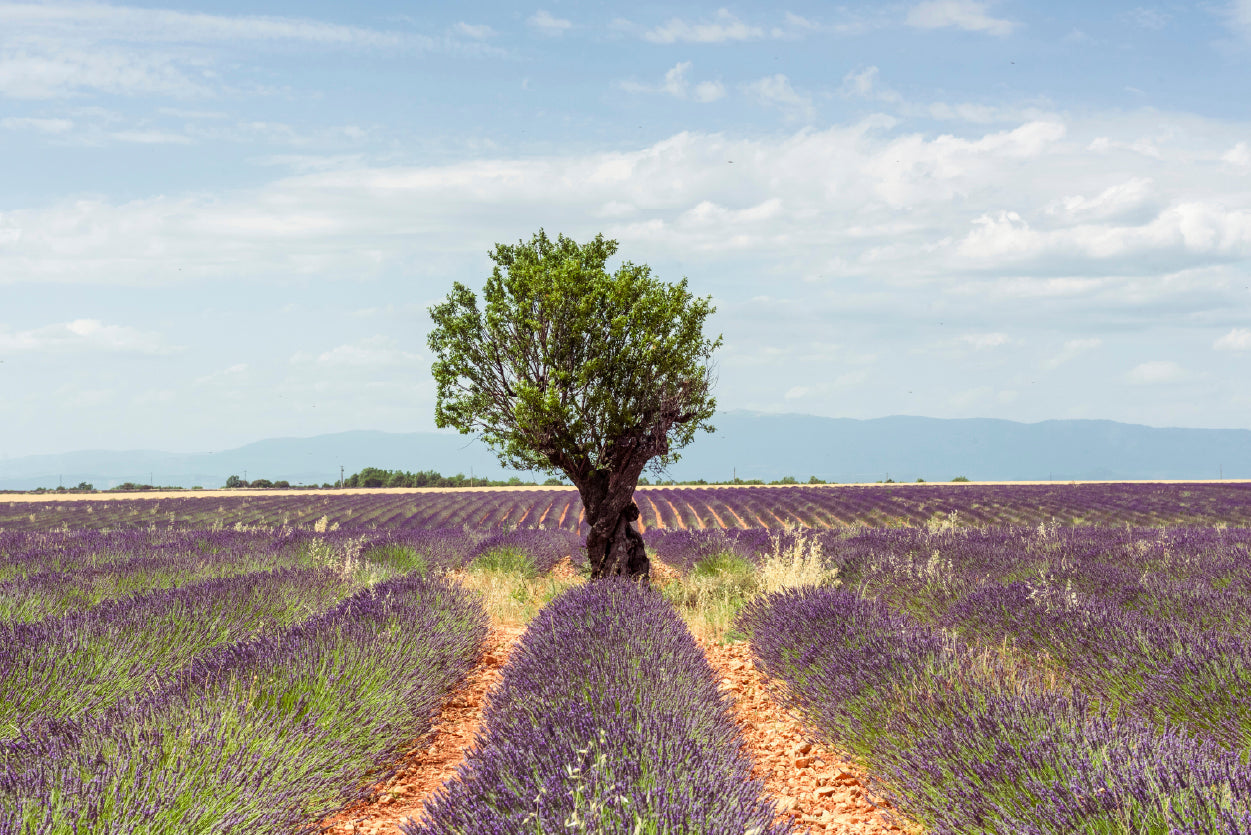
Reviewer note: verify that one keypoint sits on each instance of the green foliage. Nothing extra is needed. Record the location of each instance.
(960, 478)
(401, 559)
(506, 560)
(565, 364)
(375, 477)
(235, 481)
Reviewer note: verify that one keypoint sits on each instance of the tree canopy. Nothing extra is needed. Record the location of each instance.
(566, 366)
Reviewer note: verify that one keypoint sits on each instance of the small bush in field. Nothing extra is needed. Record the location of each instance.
(795, 560)
(506, 560)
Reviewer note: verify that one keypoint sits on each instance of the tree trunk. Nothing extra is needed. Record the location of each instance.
(613, 546)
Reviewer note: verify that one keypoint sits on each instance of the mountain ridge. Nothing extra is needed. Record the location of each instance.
(749, 445)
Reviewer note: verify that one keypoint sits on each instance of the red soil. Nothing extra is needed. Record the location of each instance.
(814, 786)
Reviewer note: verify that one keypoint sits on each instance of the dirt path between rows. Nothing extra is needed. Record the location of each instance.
(820, 791)
(432, 760)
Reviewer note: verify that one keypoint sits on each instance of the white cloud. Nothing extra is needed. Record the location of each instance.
(83, 335)
(1238, 156)
(48, 70)
(1073, 349)
(1156, 372)
(41, 125)
(477, 31)
(1111, 202)
(864, 84)
(776, 91)
(677, 85)
(545, 22)
(866, 203)
(150, 137)
(725, 27)
(1238, 339)
(961, 14)
(1146, 147)
(1204, 229)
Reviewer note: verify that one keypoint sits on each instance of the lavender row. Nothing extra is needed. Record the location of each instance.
(263, 736)
(1199, 576)
(670, 508)
(608, 719)
(64, 668)
(966, 742)
(55, 573)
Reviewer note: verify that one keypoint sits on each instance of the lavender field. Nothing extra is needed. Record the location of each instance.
(1000, 659)
(664, 508)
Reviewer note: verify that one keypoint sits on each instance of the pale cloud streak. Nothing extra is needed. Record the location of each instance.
(724, 27)
(1073, 349)
(960, 14)
(548, 24)
(101, 21)
(53, 126)
(82, 336)
(1156, 372)
(776, 91)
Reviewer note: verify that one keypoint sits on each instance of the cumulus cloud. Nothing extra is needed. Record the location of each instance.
(864, 84)
(723, 28)
(960, 14)
(1156, 372)
(1238, 156)
(1112, 202)
(545, 22)
(869, 204)
(1238, 339)
(679, 86)
(81, 336)
(776, 91)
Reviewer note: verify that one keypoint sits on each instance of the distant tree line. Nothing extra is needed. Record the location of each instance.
(375, 477)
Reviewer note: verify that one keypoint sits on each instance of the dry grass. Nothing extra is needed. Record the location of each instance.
(511, 591)
(711, 594)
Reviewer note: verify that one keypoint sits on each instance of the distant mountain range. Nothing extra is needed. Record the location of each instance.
(748, 445)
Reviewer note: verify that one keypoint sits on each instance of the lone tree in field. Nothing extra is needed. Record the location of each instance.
(570, 369)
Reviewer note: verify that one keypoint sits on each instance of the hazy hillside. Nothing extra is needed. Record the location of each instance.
(749, 445)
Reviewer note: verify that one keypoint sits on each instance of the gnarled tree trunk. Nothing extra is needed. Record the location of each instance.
(614, 546)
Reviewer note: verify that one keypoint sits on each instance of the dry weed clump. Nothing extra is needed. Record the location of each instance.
(511, 590)
(711, 594)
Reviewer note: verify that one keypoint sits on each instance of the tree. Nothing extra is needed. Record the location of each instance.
(570, 369)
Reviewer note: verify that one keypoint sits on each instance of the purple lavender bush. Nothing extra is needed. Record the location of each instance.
(65, 667)
(966, 741)
(608, 719)
(263, 736)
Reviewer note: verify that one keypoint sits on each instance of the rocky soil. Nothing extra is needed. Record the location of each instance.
(814, 786)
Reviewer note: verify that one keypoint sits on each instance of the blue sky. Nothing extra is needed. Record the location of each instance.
(223, 222)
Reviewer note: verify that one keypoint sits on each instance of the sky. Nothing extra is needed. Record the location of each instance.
(224, 222)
